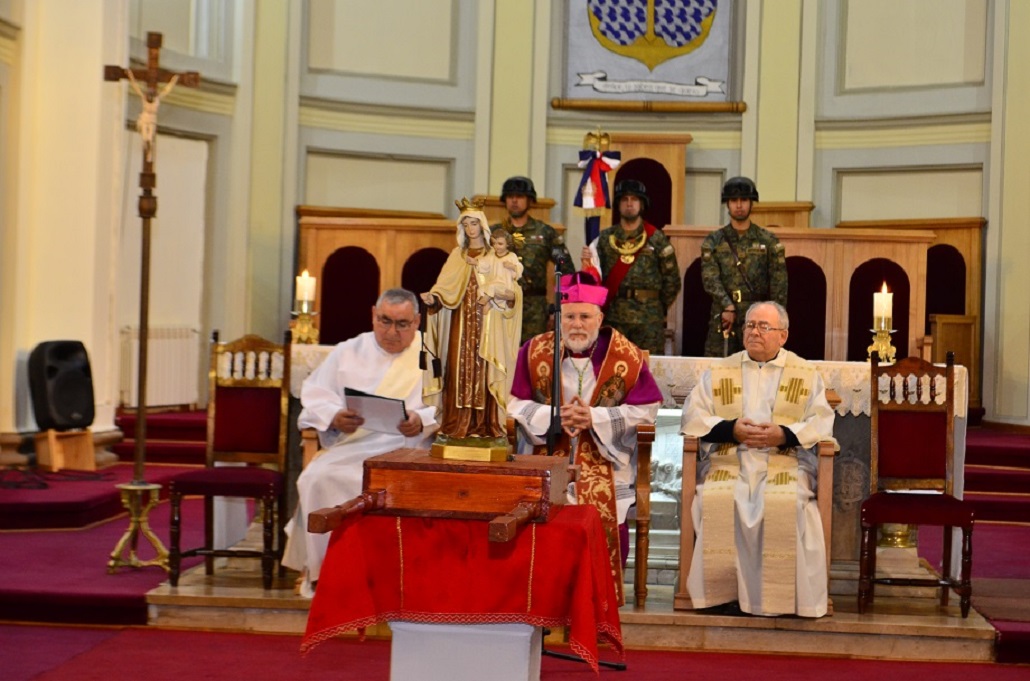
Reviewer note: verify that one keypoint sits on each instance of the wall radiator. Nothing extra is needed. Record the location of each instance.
(173, 366)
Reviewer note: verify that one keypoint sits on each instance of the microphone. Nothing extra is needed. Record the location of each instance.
(561, 263)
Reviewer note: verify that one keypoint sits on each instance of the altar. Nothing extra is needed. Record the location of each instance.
(677, 376)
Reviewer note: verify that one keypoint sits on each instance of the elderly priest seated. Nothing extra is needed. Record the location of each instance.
(759, 415)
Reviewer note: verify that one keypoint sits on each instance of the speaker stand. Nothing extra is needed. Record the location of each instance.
(132, 499)
(65, 449)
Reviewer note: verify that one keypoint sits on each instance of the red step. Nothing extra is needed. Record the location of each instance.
(991, 479)
(997, 448)
(1009, 508)
(188, 426)
(163, 451)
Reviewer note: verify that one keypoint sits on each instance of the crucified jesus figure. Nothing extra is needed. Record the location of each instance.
(146, 124)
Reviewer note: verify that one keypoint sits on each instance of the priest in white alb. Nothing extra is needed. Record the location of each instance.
(383, 362)
(759, 414)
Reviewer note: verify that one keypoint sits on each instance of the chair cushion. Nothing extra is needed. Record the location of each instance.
(229, 481)
(916, 509)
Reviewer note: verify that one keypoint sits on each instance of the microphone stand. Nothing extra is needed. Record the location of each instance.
(553, 433)
(554, 430)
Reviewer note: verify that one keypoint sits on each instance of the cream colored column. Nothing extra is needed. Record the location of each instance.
(777, 110)
(1007, 308)
(512, 99)
(62, 187)
(264, 245)
(807, 88)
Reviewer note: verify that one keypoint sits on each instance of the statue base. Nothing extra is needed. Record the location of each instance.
(471, 449)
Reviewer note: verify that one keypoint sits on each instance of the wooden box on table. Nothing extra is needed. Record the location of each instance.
(413, 483)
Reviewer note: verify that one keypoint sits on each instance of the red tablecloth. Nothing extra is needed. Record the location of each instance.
(432, 570)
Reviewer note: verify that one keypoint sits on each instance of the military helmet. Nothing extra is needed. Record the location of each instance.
(631, 188)
(518, 185)
(739, 188)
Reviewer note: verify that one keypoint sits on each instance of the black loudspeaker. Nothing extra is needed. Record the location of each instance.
(61, 385)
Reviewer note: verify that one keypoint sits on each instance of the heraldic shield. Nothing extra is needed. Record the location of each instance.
(651, 31)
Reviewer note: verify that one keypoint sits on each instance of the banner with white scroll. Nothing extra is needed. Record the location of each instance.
(651, 50)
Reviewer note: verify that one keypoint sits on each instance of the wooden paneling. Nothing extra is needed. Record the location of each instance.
(959, 334)
(782, 213)
(838, 252)
(391, 241)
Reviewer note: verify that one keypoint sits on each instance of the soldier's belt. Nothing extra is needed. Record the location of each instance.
(639, 294)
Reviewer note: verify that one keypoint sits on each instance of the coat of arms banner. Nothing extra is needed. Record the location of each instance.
(648, 50)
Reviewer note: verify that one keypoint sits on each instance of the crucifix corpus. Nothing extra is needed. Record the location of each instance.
(151, 85)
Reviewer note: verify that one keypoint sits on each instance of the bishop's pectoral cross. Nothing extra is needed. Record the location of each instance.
(139, 497)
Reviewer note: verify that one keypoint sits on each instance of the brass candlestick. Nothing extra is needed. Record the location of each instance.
(303, 326)
(132, 494)
(882, 340)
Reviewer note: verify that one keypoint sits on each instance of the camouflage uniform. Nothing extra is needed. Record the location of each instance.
(765, 269)
(535, 244)
(653, 281)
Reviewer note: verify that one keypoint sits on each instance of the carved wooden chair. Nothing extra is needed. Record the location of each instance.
(248, 405)
(913, 452)
(826, 450)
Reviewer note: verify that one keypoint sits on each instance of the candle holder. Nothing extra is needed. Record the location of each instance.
(882, 341)
(132, 494)
(303, 327)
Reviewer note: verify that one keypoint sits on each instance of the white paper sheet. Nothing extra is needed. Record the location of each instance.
(381, 414)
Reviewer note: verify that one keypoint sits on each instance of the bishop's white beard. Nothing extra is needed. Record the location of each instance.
(581, 342)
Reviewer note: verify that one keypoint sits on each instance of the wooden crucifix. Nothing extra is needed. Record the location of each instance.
(151, 84)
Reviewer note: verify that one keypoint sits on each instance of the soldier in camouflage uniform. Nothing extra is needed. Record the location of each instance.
(536, 243)
(637, 263)
(741, 264)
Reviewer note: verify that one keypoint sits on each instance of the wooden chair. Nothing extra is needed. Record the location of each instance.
(913, 452)
(824, 500)
(248, 404)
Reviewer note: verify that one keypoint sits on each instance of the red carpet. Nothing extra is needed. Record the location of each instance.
(1001, 582)
(61, 575)
(64, 654)
(997, 475)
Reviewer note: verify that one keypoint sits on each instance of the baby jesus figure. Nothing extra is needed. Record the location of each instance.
(498, 271)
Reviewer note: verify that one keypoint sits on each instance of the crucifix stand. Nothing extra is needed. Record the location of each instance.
(151, 84)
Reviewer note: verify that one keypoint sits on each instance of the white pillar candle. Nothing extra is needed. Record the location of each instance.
(305, 287)
(883, 308)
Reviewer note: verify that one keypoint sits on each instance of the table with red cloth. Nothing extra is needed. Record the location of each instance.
(433, 570)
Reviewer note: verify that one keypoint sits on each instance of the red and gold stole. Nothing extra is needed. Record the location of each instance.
(595, 483)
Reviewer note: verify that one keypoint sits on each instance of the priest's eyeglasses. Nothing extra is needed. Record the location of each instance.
(401, 324)
(761, 327)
